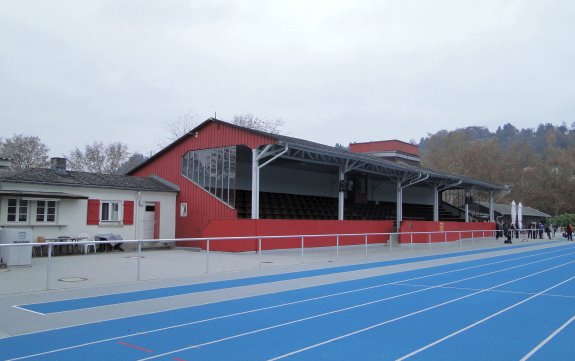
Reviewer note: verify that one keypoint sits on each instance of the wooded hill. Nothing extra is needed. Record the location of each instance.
(538, 165)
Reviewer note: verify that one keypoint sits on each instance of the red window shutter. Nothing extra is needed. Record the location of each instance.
(128, 212)
(93, 211)
(157, 220)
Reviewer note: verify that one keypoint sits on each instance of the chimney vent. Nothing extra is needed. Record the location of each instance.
(58, 165)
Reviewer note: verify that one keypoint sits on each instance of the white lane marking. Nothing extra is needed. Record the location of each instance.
(549, 338)
(27, 310)
(358, 306)
(483, 320)
(308, 300)
(409, 315)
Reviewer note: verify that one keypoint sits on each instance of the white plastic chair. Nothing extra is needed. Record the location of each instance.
(84, 237)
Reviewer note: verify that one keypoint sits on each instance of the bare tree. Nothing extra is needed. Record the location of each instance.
(180, 126)
(24, 151)
(99, 158)
(134, 160)
(264, 124)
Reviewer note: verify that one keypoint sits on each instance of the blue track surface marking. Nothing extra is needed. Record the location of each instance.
(105, 300)
(497, 308)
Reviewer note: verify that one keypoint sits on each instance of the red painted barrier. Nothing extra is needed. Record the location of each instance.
(454, 231)
(279, 227)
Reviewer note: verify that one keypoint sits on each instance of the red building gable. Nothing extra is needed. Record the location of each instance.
(201, 206)
(384, 146)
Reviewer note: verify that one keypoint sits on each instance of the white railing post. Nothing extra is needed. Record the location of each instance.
(49, 267)
(207, 256)
(429, 240)
(259, 252)
(337, 247)
(460, 240)
(411, 241)
(301, 255)
(445, 238)
(139, 259)
(366, 245)
(391, 243)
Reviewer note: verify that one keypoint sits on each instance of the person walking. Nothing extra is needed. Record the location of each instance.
(540, 228)
(548, 231)
(569, 231)
(554, 226)
(506, 233)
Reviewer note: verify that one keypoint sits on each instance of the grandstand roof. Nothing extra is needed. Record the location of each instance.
(312, 152)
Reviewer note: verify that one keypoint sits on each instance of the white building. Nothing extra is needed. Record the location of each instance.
(56, 202)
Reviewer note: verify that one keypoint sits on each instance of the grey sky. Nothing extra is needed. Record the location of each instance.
(74, 72)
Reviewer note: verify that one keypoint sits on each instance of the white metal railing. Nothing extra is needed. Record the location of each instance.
(410, 240)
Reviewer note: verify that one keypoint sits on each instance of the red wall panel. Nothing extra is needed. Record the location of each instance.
(453, 231)
(202, 206)
(386, 145)
(277, 227)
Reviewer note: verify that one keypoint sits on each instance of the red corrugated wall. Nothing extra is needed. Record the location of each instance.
(384, 145)
(453, 231)
(202, 206)
(281, 227)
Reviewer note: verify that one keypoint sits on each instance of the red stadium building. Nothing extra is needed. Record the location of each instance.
(236, 181)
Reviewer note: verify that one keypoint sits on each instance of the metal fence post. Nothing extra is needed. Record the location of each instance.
(301, 255)
(139, 260)
(49, 267)
(259, 252)
(337, 247)
(366, 245)
(207, 256)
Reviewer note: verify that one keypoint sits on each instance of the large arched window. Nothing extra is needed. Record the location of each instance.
(214, 170)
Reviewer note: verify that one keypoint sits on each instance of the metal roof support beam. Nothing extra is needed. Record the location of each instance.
(256, 167)
(341, 198)
(255, 184)
(347, 167)
(467, 190)
(399, 199)
(398, 205)
(435, 204)
(447, 186)
(491, 209)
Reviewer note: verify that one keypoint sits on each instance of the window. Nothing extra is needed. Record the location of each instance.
(46, 211)
(17, 210)
(110, 211)
(214, 170)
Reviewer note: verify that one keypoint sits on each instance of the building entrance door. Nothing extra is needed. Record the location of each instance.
(149, 221)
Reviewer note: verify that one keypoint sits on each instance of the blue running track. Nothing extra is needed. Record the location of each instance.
(514, 307)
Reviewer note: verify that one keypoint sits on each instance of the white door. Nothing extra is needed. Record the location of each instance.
(149, 221)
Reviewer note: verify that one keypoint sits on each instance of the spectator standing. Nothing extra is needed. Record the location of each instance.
(548, 231)
(541, 228)
(569, 231)
(506, 233)
(533, 228)
(555, 227)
